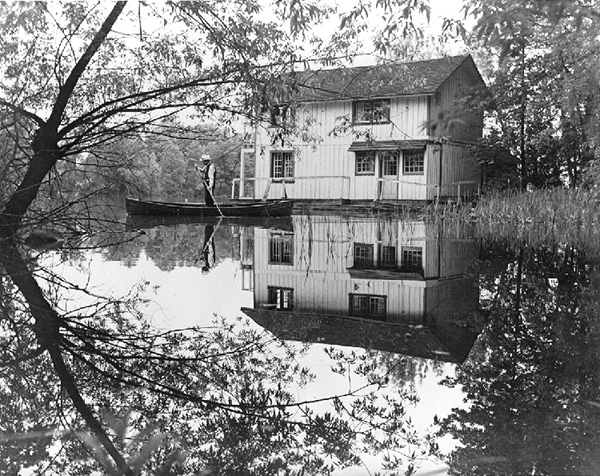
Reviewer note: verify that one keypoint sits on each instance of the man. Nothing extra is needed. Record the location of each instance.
(209, 176)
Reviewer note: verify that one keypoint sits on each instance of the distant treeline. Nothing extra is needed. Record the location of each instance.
(156, 166)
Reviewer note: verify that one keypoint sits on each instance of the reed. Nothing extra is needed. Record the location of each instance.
(541, 217)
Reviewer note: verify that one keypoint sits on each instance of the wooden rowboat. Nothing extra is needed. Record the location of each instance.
(261, 209)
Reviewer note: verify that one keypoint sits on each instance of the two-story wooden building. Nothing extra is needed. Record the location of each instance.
(390, 132)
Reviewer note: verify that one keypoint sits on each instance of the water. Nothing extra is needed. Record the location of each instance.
(370, 339)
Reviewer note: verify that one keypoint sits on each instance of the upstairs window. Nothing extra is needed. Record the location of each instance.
(280, 115)
(371, 307)
(282, 164)
(375, 111)
(282, 298)
(414, 162)
(365, 163)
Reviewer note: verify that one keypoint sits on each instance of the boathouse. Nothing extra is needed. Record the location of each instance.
(399, 131)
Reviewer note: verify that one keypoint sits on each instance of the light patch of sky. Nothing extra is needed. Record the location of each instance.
(440, 10)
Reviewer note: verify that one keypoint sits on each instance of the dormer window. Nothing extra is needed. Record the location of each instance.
(373, 111)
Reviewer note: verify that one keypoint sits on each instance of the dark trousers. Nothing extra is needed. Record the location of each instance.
(208, 197)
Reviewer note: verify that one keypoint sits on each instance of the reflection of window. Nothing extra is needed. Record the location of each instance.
(390, 164)
(414, 162)
(365, 305)
(412, 258)
(371, 112)
(387, 256)
(281, 246)
(363, 255)
(282, 164)
(365, 162)
(283, 298)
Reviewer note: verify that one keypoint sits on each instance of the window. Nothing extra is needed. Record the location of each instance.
(365, 162)
(371, 112)
(283, 298)
(387, 256)
(412, 258)
(281, 248)
(371, 307)
(390, 164)
(279, 114)
(282, 164)
(414, 162)
(363, 255)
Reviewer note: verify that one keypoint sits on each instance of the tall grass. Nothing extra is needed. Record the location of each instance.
(541, 217)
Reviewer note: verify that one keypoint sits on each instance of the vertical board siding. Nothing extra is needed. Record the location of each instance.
(324, 250)
(324, 166)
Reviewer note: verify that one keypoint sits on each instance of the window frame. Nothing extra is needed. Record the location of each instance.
(388, 256)
(377, 112)
(386, 162)
(280, 297)
(368, 313)
(410, 155)
(287, 167)
(362, 157)
(284, 255)
(366, 259)
(407, 254)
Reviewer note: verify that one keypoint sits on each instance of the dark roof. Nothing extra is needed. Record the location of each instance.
(380, 81)
(412, 340)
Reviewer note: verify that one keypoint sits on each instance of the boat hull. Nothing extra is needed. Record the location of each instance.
(262, 209)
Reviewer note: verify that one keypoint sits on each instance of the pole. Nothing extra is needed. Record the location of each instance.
(213, 197)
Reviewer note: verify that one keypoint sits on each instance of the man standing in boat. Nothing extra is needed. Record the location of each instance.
(209, 176)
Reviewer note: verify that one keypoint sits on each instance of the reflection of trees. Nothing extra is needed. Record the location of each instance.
(531, 383)
(224, 398)
(175, 246)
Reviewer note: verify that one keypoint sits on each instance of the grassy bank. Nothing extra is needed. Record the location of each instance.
(543, 216)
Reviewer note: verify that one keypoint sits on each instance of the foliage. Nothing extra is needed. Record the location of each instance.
(544, 83)
(530, 384)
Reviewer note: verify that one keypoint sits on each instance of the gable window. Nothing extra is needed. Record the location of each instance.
(371, 307)
(365, 162)
(414, 162)
(281, 248)
(279, 115)
(282, 298)
(363, 255)
(282, 164)
(374, 111)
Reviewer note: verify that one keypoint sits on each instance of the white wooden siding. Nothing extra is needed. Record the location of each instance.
(324, 167)
(323, 250)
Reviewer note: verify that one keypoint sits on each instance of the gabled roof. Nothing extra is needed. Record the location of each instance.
(380, 81)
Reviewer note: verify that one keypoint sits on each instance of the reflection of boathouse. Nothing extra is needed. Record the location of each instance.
(410, 275)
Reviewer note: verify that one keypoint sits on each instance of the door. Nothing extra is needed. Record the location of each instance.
(389, 173)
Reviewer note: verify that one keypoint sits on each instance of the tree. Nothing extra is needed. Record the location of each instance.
(543, 83)
(528, 390)
(73, 85)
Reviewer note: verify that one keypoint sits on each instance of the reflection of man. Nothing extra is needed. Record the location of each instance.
(208, 250)
(209, 175)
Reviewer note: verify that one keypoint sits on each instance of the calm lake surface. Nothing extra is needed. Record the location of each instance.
(490, 344)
